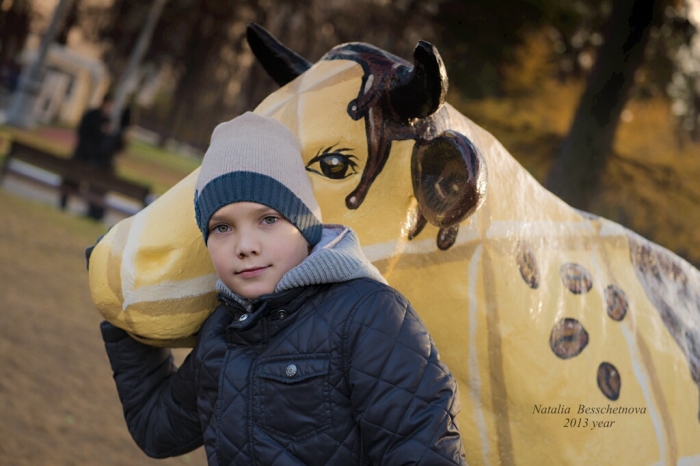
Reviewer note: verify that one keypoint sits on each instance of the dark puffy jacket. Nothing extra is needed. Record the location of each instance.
(330, 374)
(91, 135)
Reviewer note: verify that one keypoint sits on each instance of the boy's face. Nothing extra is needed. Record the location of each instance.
(252, 246)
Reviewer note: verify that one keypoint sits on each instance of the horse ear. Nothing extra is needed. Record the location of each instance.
(281, 63)
(449, 179)
(421, 92)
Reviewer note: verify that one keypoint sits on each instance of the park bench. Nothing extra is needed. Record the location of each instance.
(82, 176)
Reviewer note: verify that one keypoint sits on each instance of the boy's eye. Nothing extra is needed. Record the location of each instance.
(333, 163)
(269, 220)
(220, 229)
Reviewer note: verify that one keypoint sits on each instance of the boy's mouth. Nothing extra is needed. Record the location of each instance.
(251, 272)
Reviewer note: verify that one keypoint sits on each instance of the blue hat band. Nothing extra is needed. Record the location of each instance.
(243, 186)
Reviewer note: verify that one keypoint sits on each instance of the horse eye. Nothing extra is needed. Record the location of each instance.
(333, 165)
(336, 166)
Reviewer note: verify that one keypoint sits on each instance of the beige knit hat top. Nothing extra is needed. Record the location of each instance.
(257, 159)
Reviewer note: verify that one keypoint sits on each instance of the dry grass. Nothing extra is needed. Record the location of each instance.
(58, 402)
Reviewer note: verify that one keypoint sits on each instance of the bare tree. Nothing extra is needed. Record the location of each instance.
(132, 66)
(576, 174)
(14, 28)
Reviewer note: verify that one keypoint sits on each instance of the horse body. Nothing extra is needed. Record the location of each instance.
(572, 338)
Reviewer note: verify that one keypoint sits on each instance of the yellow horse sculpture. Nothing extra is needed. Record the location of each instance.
(574, 340)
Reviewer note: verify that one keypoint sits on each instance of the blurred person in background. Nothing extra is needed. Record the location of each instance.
(96, 147)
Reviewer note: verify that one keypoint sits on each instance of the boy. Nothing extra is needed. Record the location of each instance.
(311, 358)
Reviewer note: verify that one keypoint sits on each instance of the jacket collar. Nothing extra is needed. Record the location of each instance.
(338, 257)
(265, 316)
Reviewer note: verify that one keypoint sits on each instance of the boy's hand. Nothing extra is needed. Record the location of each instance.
(112, 333)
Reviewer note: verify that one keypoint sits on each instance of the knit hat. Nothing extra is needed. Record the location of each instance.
(254, 158)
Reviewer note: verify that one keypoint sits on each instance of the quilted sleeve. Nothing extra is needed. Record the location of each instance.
(159, 402)
(404, 398)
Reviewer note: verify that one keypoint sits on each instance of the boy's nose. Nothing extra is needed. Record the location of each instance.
(247, 245)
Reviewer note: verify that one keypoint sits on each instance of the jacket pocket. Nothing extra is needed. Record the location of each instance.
(295, 396)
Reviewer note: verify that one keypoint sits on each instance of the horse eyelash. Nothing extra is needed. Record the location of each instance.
(326, 151)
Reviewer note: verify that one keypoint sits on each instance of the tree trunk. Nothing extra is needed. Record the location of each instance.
(576, 174)
(134, 63)
(14, 29)
(71, 20)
